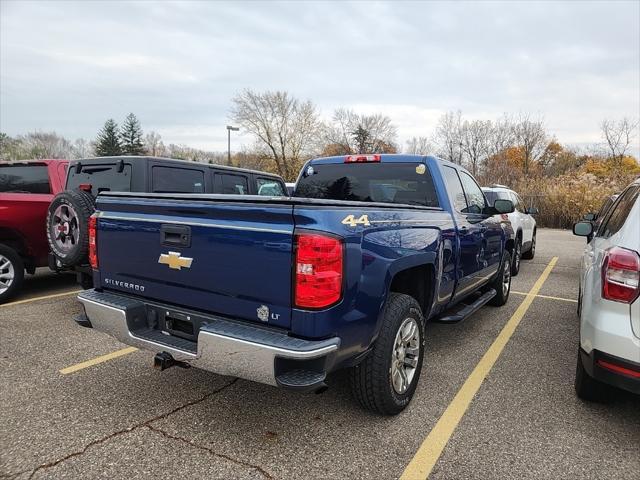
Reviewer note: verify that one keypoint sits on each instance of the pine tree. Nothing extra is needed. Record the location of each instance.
(131, 136)
(108, 143)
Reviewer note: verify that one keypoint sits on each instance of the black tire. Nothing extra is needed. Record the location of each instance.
(80, 205)
(587, 387)
(10, 261)
(529, 254)
(371, 380)
(502, 294)
(517, 255)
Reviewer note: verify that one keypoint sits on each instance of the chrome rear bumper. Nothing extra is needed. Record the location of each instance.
(223, 346)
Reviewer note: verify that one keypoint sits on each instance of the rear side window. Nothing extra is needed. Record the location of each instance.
(177, 180)
(404, 183)
(234, 184)
(493, 195)
(101, 177)
(24, 179)
(269, 187)
(455, 188)
(619, 212)
(475, 198)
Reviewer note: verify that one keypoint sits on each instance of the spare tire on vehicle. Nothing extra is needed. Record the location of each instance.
(68, 226)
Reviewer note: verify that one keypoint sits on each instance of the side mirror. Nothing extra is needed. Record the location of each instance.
(532, 211)
(583, 229)
(503, 206)
(589, 217)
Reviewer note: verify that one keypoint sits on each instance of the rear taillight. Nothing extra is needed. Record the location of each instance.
(93, 241)
(318, 276)
(361, 158)
(621, 275)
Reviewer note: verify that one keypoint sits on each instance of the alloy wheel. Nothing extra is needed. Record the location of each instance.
(65, 228)
(7, 273)
(405, 355)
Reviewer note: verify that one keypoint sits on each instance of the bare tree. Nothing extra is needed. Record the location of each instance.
(419, 146)
(285, 126)
(531, 136)
(501, 136)
(153, 142)
(81, 148)
(448, 137)
(350, 132)
(618, 135)
(474, 142)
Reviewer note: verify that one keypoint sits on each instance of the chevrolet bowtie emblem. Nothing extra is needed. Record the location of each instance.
(174, 260)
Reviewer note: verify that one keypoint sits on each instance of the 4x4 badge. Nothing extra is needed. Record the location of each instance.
(174, 260)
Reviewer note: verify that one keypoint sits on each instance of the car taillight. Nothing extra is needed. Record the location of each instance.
(318, 276)
(621, 275)
(93, 242)
(361, 158)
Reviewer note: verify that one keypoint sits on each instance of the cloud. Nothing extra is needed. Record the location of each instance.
(67, 66)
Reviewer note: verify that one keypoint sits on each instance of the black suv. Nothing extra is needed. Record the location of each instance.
(69, 211)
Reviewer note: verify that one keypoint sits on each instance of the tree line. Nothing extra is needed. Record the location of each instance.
(286, 131)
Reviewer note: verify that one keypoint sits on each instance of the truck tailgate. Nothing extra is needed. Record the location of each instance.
(220, 256)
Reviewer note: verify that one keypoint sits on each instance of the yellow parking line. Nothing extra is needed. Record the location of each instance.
(97, 360)
(429, 452)
(34, 299)
(572, 300)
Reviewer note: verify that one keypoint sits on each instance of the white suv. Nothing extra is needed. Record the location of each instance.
(524, 225)
(608, 304)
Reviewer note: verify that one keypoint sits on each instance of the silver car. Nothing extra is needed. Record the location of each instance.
(608, 304)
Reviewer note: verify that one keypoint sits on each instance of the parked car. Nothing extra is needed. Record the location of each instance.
(26, 189)
(68, 216)
(596, 218)
(524, 225)
(608, 304)
(286, 290)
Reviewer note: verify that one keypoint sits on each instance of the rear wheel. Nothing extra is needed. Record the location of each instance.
(517, 254)
(529, 254)
(502, 283)
(587, 387)
(386, 380)
(11, 272)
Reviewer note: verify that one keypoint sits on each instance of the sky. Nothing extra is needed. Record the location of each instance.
(68, 66)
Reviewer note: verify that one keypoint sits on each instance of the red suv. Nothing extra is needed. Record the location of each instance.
(26, 189)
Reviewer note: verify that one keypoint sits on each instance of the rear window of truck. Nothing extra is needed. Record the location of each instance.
(402, 183)
(101, 177)
(24, 179)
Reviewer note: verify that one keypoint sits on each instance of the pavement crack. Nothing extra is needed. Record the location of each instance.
(146, 423)
(186, 441)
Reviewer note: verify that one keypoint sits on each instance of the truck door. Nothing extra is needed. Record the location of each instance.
(470, 233)
(490, 252)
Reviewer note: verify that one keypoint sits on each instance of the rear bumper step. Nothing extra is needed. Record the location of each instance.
(223, 346)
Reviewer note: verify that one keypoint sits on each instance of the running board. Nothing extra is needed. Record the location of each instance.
(456, 316)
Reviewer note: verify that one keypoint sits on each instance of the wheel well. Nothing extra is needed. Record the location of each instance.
(416, 282)
(510, 246)
(14, 240)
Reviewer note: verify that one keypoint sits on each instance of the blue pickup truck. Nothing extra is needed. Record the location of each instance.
(284, 290)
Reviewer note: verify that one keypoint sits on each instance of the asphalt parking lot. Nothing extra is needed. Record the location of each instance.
(511, 413)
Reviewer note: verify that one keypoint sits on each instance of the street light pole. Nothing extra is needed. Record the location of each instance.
(229, 128)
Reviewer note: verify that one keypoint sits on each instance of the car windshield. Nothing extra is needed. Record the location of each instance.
(403, 183)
